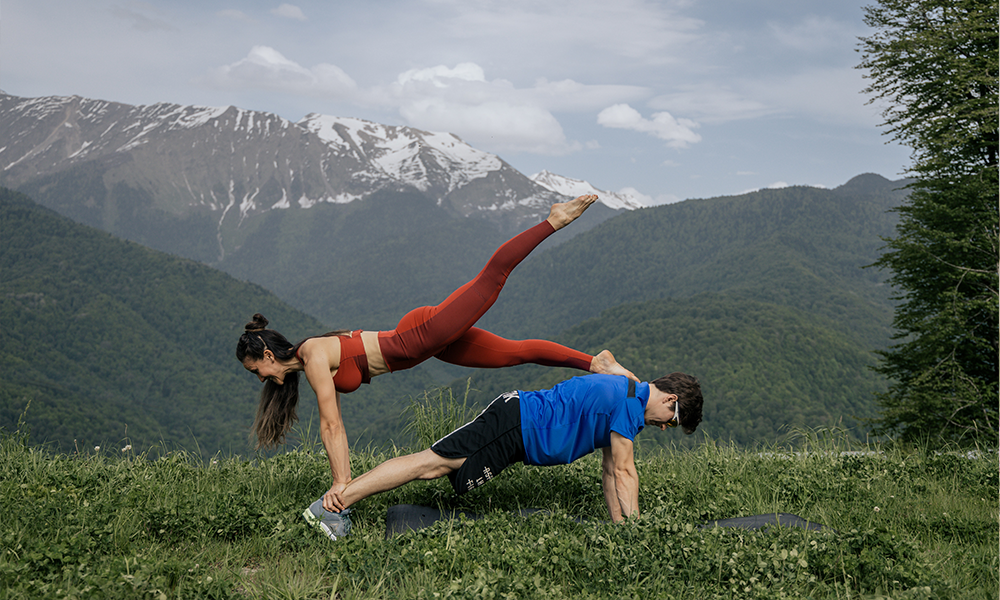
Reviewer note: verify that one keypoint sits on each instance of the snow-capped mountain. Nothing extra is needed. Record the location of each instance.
(196, 181)
(235, 161)
(575, 187)
(228, 158)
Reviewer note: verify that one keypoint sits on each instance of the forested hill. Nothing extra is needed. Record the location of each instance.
(112, 342)
(798, 246)
(763, 296)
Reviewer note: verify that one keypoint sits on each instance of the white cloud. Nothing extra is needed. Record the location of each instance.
(289, 11)
(678, 133)
(497, 125)
(467, 83)
(495, 113)
(266, 68)
(439, 75)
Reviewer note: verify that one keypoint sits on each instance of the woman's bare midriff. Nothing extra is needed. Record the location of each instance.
(376, 362)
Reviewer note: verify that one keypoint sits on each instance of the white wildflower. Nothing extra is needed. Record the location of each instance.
(127, 448)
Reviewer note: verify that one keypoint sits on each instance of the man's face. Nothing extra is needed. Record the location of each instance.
(663, 413)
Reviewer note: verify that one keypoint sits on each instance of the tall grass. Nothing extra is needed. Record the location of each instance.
(111, 523)
(438, 414)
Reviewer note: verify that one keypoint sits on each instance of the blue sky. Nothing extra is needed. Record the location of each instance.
(676, 99)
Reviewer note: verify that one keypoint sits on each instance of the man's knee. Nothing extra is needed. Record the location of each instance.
(433, 465)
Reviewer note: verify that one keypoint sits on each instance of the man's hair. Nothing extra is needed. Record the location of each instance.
(689, 398)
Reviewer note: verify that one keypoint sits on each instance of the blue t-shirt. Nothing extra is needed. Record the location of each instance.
(577, 416)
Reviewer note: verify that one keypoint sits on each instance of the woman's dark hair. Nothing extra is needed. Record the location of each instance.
(689, 398)
(276, 409)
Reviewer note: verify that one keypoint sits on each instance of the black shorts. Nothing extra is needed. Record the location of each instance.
(488, 444)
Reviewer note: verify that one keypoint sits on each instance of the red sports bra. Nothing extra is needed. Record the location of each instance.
(353, 370)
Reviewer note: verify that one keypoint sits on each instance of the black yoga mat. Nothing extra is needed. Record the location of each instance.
(410, 517)
(765, 521)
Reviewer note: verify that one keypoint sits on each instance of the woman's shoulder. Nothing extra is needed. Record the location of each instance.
(320, 345)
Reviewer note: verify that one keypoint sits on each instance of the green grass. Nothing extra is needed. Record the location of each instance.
(904, 523)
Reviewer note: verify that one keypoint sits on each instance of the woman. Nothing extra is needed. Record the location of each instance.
(339, 362)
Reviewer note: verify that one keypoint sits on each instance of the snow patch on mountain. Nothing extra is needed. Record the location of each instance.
(575, 187)
(407, 154)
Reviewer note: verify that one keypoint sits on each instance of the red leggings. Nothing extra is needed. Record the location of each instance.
(446, 331)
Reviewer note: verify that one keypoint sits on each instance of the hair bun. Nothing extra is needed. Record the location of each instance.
(259, 323)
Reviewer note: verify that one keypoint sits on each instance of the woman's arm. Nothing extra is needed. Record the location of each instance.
(317, 361)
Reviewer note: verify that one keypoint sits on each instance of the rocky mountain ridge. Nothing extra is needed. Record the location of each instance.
(235, 163)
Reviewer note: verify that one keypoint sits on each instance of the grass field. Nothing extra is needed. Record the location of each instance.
(108, 523)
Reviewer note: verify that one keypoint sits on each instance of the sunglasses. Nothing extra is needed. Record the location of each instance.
(676, 420)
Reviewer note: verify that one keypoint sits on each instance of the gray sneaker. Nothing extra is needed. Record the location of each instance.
(334, 525)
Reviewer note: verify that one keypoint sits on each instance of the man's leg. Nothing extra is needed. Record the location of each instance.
(399, 471)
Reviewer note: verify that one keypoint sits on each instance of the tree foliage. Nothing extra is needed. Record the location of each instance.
(761, 296)
(934, 65)
(109, 341)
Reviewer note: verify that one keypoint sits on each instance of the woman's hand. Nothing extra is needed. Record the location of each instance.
(332, 500)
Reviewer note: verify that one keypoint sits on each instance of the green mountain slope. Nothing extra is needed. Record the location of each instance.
(765, 369)
(762, 296)
(801, 247)
(793, 315)
(109, 339)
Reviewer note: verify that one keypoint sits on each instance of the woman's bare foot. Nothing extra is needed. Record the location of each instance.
(606, 364)
(563, 213)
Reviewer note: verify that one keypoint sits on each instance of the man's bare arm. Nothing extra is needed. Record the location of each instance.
(620, 479)
(608, 482)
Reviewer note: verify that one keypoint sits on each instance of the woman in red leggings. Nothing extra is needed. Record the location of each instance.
(339, 362)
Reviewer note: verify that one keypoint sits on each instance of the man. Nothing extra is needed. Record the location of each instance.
(548, 427)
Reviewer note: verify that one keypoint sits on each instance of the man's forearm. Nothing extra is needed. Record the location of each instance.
(611, 495)
(627, 493)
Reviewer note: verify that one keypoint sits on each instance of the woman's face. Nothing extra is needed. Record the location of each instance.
(266, 368)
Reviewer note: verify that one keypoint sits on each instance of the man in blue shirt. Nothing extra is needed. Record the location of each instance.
(547, 427)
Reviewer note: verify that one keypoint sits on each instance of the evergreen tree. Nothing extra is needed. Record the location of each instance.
(934, 65)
